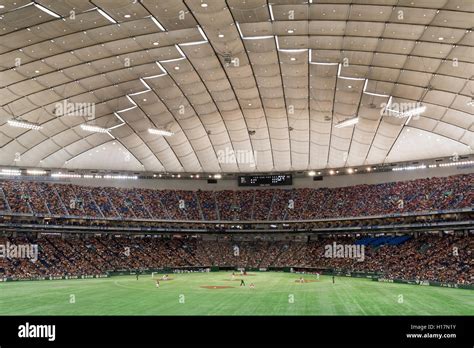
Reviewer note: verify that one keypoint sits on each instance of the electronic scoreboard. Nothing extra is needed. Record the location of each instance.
(265, 180)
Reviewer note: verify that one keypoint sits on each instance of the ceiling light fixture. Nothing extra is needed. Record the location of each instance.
(270, 9)
(293, 50)
(35, 172)
(23, 124)
(399, 169)
(370, 93)
(160, 132)
(158, 24)
(413, 112)
(104, 14)
(44, 9)
(164, 72)
(10, 172)
(205, 40)
(347, 123)
(347, 78)
(94, 129)
(252, 37)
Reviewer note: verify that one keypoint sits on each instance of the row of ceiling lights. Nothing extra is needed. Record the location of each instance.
(312, 173)
(185, 176)
(396, 169)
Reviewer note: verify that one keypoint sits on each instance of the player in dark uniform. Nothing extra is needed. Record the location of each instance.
(137, 273)
(242, 283)
(333, 278)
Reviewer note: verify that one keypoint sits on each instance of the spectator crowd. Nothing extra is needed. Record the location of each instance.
(43, 199)
(428, 257)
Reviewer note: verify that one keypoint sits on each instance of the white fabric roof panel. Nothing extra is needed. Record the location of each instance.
(242, 77)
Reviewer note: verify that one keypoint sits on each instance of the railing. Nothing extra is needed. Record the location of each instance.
(240, 222)
(456, 225)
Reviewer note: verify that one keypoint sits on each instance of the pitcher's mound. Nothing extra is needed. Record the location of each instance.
(216, 287)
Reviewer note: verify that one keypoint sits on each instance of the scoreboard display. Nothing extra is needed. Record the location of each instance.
(265, 180)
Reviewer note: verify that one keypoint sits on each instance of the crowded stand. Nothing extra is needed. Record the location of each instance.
(444, 193)
(208, 205)
(426, 257)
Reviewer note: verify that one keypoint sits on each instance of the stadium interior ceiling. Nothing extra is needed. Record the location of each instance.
(214, 86)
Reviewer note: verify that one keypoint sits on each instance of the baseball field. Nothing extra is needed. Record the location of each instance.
(218, 294)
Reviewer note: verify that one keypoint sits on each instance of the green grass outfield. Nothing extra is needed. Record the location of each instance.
(273, 295)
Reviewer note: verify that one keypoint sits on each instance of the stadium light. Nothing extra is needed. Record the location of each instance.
(204, 39)
(65, 175)
(408, 113)
(339, 69)
(399, 169)
(35, 172)
(94, 129)
(251, 37)
(452, 164)
(120, 177)
(413, 112)
(347, 123)
(103, 13)
(217, 176)
(270, 9)
(44, 9)
(10, 172)
(160, 132)
(157, 23)
(312, 173)
(370, 93)
(23, 124)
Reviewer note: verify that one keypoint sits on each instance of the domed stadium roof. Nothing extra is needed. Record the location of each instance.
(234, 86)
